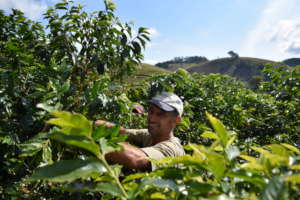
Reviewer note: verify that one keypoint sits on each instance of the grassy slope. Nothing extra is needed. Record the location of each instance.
(243, 68)
(145, 71)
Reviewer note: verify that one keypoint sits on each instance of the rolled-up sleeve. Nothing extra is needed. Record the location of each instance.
(170, 148)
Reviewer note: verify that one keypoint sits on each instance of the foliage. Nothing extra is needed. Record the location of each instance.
(182, 60)
(253, 116)
(283, 85)
(68, 64)
(77, 63)
(219, 170)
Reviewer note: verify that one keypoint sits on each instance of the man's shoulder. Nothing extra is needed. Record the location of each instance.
(174, 145)
(168, 148)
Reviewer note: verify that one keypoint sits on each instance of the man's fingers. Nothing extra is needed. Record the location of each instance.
(105, 123)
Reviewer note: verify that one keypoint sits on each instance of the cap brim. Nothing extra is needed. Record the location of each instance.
(161, 105)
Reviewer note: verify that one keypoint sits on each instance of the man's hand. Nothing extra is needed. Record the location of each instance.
(108, 125)
(131, 157)
(105, 123)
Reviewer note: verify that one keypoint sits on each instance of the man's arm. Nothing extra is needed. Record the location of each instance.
(122, 129)
(130, 157)
(108, 125)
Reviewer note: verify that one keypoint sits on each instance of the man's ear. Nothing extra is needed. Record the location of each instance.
(178, 120)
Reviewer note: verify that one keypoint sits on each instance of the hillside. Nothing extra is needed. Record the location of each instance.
(145, 71)
(182, 62)
(292, 62)
(242, 68)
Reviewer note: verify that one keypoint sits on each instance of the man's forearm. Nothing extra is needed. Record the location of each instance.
(130, 157)
(122, 129)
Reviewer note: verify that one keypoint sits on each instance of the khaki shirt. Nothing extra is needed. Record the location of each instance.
(167, 148)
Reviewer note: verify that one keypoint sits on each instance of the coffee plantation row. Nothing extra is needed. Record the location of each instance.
(241, 143)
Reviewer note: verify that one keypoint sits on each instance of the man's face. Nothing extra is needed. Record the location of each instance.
(160, 122)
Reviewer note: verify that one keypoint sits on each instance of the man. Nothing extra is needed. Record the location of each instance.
(158, 141)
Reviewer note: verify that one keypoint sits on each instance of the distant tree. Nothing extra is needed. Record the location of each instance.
(177, 60)
(233, 54)
(195, 59)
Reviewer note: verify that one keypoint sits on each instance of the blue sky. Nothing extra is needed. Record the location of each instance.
(268, 29)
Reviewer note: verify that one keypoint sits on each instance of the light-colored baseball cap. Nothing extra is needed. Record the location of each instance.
(168, 102)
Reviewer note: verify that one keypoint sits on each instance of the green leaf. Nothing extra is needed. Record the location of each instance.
(157, 195)
(162, 183)
(116, 170)
(119, 138)
(96, 88)
(105, 146)
(296, 167)
(253, 166)
(295, 178)
(187, 160)
(78, 141)
(210, 135)
(275, 190)
(124, 39)
(279, 150)
(134, 176)
(110, 188)
(136, 47)
(196, 188)
(31, 148)
(291, 148)
(47, 107)
(216, 163)
(269, 158)
(113, 131)
(65, 87)
(72, 124)
(99, 132)
(219, 128)
(143, 30)
(68, 170)
(47, 155)
(257, 180)
(61, 6)
(231, 140)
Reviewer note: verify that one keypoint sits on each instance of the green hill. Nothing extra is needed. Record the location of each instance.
(145, 71)
(246, 69)
(242, 68)
(292, 62)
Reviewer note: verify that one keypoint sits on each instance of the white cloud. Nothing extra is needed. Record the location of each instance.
(277, 34)
(32, 8)
(153, 32)
(287, 35)
(151, 62)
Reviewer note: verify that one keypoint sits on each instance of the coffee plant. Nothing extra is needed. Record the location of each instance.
(57, 79)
